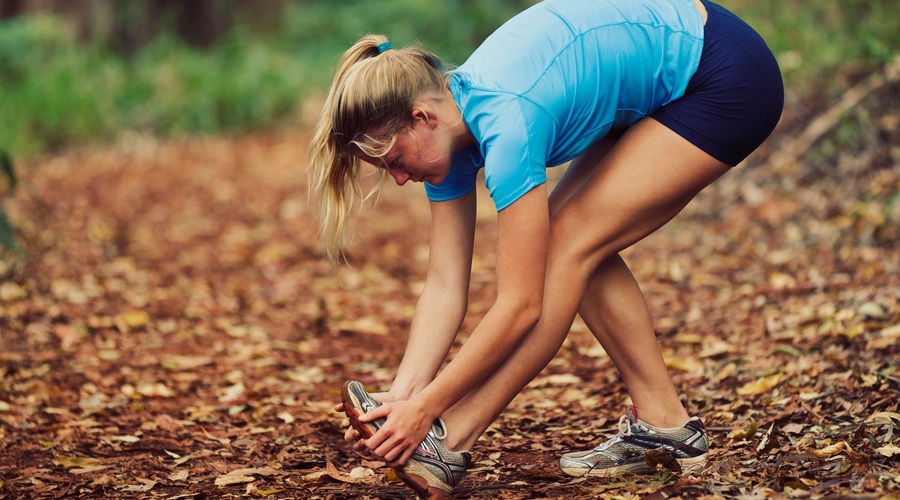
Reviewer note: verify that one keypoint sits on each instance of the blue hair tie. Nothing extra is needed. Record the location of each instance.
(383, 47)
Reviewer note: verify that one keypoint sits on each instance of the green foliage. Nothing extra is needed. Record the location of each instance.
(241, 84)
(6, 168)
(6, 231)
(53, 92)
(58, 90)
(452, 29)
(814, 41)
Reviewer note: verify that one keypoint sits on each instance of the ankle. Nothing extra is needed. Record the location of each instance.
(663, 418)
(457, 438)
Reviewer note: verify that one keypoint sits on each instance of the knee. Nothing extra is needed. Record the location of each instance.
(579, 250)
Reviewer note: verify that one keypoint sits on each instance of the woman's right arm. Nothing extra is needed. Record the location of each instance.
(442, 306)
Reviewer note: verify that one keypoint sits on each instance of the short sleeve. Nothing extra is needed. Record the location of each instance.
(461, 178)
(515, 158)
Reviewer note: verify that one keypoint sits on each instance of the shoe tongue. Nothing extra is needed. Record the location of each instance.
(439, 429)
(632, 413)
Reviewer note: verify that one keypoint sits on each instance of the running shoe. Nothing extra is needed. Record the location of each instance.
(433, 470)
(627, 451)
(357, 402)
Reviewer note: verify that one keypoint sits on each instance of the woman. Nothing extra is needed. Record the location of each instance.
(651, 100)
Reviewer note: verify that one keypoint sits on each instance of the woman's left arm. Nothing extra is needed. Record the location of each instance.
(524, 232)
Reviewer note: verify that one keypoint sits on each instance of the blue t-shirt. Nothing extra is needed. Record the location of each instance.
(557, 77)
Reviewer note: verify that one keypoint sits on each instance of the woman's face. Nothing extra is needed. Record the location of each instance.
(420, 154)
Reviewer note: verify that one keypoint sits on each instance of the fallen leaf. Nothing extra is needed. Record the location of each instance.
(761, 385)
(872, 310)
(143, 488)
(793, 428)
(831, 450)
(126, 439)
(361, 473)
(888, 450)
(178, 475)
(134, 319)
(229, 479)
(392, 477)
(683, 363)
(69, 461)
(745, 433)
(556, 380)
(234, 392)
(884, 417)
(157, 389)
(265, 493)
(366, 324)
(662, 458)
(10, 291)
(715, 348)
(240, 476)
(781, 281)
(180, 363)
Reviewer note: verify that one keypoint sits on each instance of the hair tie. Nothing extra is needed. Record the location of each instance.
(383, 47)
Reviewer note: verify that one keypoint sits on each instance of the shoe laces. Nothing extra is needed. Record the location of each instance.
(626, 428)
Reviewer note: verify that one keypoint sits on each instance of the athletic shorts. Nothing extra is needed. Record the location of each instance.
(734, 100)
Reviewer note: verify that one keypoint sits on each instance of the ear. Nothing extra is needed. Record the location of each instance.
(426, 114)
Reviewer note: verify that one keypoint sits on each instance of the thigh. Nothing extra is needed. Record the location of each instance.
(581, 168)
(646, 179)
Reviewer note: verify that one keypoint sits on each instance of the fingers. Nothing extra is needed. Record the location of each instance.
(404, 457)
(376, 413)
(352, 434)
(392, 443)
(394, 449)
(361, 448)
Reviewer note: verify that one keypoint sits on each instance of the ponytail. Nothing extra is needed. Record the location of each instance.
(371, 98)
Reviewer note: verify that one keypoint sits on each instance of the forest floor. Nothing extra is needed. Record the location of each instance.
(171, 330)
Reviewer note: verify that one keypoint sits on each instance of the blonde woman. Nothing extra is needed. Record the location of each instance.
(650, 100)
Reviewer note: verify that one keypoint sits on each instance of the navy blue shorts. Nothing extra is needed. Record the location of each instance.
(734, 100)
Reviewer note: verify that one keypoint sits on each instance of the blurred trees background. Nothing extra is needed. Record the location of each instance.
(83, 70)
(130, 24)
(75, 71)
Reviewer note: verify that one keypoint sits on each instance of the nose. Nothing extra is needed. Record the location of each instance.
(399, 176)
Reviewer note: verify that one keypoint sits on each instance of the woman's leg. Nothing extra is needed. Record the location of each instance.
(616, 313)
(614, 309)
(647, 178)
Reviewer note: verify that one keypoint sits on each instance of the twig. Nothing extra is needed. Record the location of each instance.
(788, 154)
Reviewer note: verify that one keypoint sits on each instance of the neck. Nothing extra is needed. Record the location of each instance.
(460, 135)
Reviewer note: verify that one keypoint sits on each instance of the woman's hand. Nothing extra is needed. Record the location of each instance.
(351, 434)
(406, 426)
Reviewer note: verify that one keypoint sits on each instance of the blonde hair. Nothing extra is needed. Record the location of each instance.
(371, 98)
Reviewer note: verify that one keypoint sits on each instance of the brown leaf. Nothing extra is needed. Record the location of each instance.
(662, 458)
(760, 385)
(240, 476)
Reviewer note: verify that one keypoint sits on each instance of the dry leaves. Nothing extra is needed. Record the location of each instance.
(175, 333)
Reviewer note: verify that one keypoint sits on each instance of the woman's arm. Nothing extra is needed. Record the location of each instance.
(442, 306)
(524, 231)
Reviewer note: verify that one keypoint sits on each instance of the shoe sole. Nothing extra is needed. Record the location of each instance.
(416, 477)
(352, 408)
(688, 466)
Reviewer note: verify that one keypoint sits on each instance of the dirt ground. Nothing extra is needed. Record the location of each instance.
(171, 331)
